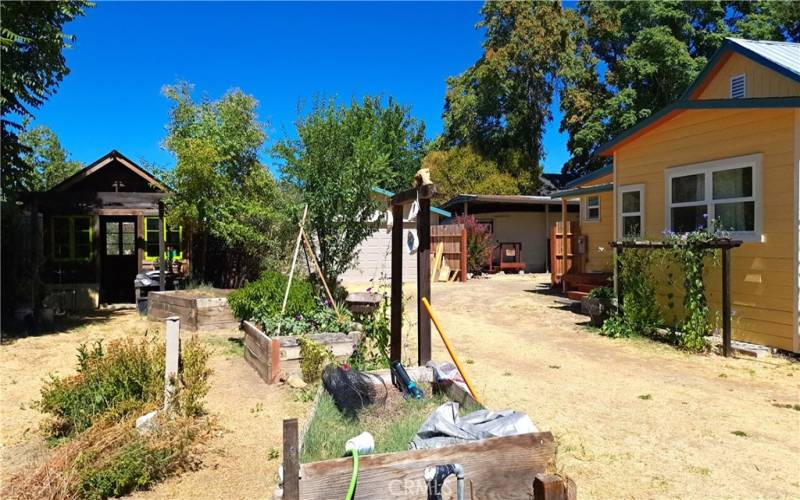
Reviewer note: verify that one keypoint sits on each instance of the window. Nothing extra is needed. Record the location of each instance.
(723, 192)
(173, 239)
(591, 208)
(72, 237)
(488, 223)
(120, 237)
(738, 87)
(631, 212)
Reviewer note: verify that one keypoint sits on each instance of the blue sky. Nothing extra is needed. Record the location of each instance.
(283, 54)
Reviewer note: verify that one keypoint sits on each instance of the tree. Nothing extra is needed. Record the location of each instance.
(221, 190)
(341, 153)
(47, 158)
(501, 104)
(462, 170)
(651, 52)
(31, 45)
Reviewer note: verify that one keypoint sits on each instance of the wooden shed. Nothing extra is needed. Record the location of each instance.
(99, 228)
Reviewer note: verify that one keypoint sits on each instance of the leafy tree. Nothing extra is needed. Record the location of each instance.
(221, 189)
(31, 45)
(501, 104)
(651, 52)
(462, 170)
(47, 158)
(341, 153)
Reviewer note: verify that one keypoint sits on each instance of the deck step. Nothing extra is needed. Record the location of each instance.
(585, 287)
(576, 295)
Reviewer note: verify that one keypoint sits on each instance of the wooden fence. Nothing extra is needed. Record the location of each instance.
(453, 238)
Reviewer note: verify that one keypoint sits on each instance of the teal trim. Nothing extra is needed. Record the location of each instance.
(571, 193)
(749, 103)
(389, 194)
(730, 45)
(608, 169)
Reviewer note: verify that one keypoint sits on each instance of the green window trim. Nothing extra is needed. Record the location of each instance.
(74, 240)
(148, 256)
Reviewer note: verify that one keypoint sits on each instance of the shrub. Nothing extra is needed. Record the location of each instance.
(601, 292)
(479, 242)
(315, 357)
(126, 378)
(263, 298)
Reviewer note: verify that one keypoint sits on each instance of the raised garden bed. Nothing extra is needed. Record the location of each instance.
(502, 467)
(273, 357)
(199, 310)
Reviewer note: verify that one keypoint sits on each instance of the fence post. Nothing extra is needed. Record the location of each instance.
(173, 355)
(396, 335)
(291, 459)
(424, 281)
(726, 301)
(464, 255)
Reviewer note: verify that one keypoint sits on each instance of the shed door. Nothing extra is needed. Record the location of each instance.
(119, 259)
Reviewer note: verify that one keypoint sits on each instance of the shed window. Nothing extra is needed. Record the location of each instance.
(71, 237)
(591, 210)
(723, 193)
(739, 87)
(173, 238)
(631, 213)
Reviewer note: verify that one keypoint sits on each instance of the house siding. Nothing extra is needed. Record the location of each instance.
(599, 233)
(764, 274)
(761, 81)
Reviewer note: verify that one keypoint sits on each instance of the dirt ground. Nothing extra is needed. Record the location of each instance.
(632, 418)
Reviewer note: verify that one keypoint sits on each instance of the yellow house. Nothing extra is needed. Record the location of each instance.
(729, 150)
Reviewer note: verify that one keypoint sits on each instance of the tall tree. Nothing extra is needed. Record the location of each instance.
(650, 51)
(501, 104)
(462, 170)
(31, 68)
(341, 153)
(221, 189)
(49, 161)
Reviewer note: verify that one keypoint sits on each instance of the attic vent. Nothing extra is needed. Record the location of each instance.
(738, 87)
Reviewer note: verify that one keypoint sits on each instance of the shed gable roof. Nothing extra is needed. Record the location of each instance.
(112, 157)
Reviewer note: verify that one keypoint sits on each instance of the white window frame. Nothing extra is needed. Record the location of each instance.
(628, 189)
(585, 208)
(743, 76)
(708, 168)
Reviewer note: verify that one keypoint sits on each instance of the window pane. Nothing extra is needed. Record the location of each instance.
(734, 183)
(593, 201)
(688, 188)
(151, 223)
(685, 219)
(112, 228)
(631, 226)
(128, 238)
(630, 201)
(112, 238)
(736, 216)
(593, 213)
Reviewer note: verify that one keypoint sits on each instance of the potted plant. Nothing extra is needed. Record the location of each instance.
(598, 304)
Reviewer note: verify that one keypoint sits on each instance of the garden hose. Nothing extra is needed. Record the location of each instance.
(353, 478)
(363, 443)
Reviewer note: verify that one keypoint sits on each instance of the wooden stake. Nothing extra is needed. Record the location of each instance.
(319, 271)
(294, 261)
(423, 281)
(291, 460)
(396, 336)
(173, 356)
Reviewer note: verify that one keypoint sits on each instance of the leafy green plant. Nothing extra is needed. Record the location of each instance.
(639, 314)
(262, 299)
(601, 292)
(372, 351)
(315, 357)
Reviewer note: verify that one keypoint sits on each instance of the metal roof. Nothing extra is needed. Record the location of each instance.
(785, 54)
(596, 174)
(515, 199)
(389, 194)
(571, 193)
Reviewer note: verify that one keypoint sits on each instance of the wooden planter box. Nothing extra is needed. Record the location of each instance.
(272, 357)
(197, 313)
(513, 467)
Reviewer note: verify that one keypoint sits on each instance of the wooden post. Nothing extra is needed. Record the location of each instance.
(294, 261)
(464, 255)
(617, 284)
(726, 301)
(162, 278)
(173, 355)
(424, 281)
(563, 244)
(396, 340)
(34, 252)
(553, 487)
(291, 460)
(546, 236)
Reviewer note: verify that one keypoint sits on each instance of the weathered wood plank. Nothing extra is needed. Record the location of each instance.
(291, 460)
(503, 467)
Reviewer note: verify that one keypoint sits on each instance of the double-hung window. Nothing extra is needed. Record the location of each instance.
(719, 195)
(631, 211)
(173, 238)
(591, 209)
(71, 237)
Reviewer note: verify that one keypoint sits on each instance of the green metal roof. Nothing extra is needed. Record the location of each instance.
(571, 193)
(389, 194)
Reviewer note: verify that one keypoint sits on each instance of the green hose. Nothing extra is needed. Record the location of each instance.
(354, 478)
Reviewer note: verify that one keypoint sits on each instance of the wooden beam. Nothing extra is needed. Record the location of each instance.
(291, 460)
(501, 467)
(425, 192)
(563, 245)
(396, 339)
(424, 281)
(463, 256)
(726, 301)
(162, 277)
